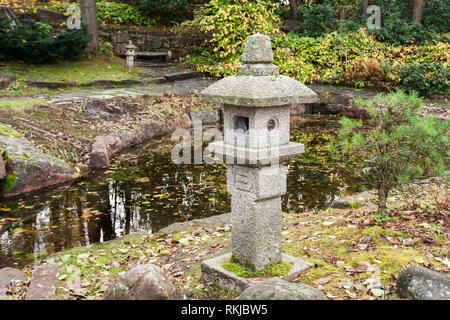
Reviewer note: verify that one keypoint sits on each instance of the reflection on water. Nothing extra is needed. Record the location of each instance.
(146, 192)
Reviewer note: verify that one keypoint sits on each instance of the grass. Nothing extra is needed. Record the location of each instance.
(20, 105)
(91, 67)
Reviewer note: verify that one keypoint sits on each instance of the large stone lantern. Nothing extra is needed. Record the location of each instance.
(256, 143)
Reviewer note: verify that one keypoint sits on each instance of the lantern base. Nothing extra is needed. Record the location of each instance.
(213, 272)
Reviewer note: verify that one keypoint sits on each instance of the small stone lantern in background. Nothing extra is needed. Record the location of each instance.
(130, 54)
(256, 142)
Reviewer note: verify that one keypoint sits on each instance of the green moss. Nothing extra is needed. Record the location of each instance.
(377, 233)
(8, 184)
(24, 158)
(355, 204)
(278, 269)
(7, 131)
(7, 156)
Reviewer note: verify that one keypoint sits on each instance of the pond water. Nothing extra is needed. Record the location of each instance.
(145, 191)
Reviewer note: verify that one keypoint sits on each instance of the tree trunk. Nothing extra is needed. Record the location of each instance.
(382, 198)
(89, 17)
(365, 5)
(294, 9)
(417, 11)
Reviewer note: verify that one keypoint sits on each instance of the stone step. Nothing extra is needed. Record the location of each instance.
(183, 75)
(153, 65)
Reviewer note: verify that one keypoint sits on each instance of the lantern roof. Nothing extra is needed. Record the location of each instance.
(130, 45)
(260, 86)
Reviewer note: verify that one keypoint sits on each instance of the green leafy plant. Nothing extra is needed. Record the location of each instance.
(44, 29)
(227, 23)
(107, 48)
(426, 78)
(399, 146)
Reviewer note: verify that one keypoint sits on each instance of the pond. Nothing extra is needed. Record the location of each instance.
(145, 191)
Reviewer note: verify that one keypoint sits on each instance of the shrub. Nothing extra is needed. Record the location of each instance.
(426, 78)
(353, 58)
(399, 146)
(30, 44)
(165, 11)
(396, 25)
(317, 20)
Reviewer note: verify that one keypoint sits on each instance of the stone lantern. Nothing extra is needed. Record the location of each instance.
(130, 54)
(256, 143)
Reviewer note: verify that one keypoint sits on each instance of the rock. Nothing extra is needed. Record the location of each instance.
(122, 37)
(183, 122)
(277, 289)
(105, 146)
(130, 82)
(99, 83)
(207, 116)
(102, 149)
(419, 283)
(4, 82)
(33, 169)
(52, 85)
(2, 167)
(144, 282)
(6, 276)
(42, 283)
(156, 43)
(300, 109)
(183, 75)
(154, 80)
(9, 76)
(148, 129)
(50, 15)
(349, 201)
(119, 50)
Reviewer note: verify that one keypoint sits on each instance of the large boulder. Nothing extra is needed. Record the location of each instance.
(277, 289)
(144, 282)
(7, 278)
(31, 168)
(418, 283)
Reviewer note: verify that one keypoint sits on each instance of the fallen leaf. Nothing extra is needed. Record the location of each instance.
(323, 281)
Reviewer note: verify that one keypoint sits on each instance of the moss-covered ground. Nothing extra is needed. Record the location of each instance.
(91, 67)
(278, 269)
(356, 255)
